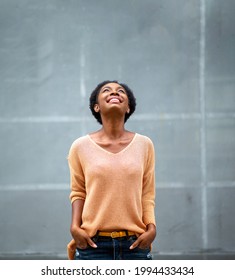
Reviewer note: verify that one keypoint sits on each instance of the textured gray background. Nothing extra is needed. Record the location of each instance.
(178, 56)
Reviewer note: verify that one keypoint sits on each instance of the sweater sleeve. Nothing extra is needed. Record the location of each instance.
(148, 194)
(77, 178)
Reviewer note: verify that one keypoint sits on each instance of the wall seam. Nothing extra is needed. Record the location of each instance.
(203, 124)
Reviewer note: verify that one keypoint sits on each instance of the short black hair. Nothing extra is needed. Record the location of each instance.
(94, 98)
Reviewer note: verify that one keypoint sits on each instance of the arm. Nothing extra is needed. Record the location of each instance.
(148, 202)
(77, 196)
(81, 238)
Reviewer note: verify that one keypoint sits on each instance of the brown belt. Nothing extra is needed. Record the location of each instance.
(116, 234)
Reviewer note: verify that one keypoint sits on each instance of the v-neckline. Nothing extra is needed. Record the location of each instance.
(111, 153)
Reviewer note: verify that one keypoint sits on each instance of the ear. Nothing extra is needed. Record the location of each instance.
(96, 108)
(128, 110)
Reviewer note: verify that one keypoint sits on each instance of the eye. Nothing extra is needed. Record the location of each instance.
(105, 90)
(122, 91)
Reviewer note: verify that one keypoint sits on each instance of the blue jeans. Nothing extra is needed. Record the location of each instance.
(113, 249)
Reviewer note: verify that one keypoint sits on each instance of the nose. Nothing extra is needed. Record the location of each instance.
(114, 92)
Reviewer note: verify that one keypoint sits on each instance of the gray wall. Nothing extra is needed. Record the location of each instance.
(178, 56)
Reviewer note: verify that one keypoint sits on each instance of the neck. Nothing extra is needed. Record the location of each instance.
(113, 128)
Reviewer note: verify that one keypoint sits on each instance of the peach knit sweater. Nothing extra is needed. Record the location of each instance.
(118, 188)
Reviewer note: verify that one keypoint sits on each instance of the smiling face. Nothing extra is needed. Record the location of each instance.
(105, 87)
(112, 98)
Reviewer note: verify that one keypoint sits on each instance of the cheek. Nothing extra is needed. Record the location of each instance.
(101, 98)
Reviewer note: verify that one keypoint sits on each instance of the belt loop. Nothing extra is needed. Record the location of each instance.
(127, 234)
(96, 236)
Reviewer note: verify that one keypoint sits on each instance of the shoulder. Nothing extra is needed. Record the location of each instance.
(78, 144)
(148, 148)
(147, 145)
(79, 141)
(145, 139)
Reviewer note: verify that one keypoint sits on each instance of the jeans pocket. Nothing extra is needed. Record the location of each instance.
(81, 254)
(132, 239)
(140, 253)
(77, 254)
(83, 248)
(144, 253)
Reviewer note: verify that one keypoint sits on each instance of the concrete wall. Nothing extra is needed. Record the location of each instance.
(179, 59)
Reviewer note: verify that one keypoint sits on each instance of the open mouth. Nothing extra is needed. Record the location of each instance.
(114, 100)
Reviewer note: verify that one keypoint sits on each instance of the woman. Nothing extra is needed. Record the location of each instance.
(112, 183)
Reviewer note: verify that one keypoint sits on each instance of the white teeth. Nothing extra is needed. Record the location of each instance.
(114, 100)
